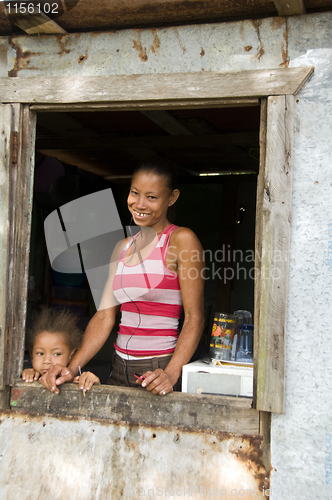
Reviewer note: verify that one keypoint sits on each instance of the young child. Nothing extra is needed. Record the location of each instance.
(53, 338)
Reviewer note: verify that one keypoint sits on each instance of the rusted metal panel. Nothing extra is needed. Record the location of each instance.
(44, 457)
(255, 45)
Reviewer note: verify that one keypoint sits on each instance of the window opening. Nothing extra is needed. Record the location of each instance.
(217, 156)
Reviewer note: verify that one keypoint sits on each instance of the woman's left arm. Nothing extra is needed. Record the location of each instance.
(190, 268)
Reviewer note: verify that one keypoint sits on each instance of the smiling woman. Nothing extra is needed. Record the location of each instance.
(152, 284)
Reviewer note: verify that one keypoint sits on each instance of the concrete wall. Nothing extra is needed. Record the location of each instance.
(301, 437)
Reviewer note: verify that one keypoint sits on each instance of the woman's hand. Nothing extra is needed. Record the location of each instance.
(30, 374)
(157, 382)
(55, 376)
(86, 381)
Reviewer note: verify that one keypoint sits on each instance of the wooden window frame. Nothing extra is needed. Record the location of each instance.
(274, 90)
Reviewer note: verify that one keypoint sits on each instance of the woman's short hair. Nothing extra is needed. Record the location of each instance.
(55, 320)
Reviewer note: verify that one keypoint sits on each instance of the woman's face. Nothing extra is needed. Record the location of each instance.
(50, 349)
(149, 199)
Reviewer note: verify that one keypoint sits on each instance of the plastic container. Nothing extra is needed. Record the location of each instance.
(245, 352)
(242, 317)
(222, 335)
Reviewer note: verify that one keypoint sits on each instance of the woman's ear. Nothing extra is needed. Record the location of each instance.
(174, 196)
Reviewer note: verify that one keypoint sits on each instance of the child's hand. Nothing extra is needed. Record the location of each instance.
(30, 374)
(86, 381)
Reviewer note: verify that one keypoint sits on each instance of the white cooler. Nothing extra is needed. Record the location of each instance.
(230, 380)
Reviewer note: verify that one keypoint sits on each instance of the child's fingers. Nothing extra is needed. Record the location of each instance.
(37, 375)
(76, 379)
(29, 375)
(87, 379)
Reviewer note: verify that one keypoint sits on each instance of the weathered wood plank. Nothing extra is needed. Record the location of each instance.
(35, 23)
(273, 280)
(290, 7)
(5, 166)
(258, 237)
(136, 406)
(139, 105)
(153, 87)
(21, 184)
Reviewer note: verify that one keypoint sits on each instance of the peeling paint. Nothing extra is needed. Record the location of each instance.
(202, 52)
(248, 48)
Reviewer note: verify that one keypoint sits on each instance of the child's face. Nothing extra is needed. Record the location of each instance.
(50, 349)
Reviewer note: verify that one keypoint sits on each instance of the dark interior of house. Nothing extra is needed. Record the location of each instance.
(216, 153)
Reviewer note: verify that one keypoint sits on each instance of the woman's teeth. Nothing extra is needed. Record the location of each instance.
(139, 214)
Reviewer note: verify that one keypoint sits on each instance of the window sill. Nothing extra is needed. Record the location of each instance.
(139, 407)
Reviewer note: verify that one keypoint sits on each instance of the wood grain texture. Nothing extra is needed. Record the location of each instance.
(153, 87)
(137, 406)
(21, 184)
(5, 166)
(258, 237)
(148, 105)
(273, 279)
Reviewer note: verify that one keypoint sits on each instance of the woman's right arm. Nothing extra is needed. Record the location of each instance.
(95, 335)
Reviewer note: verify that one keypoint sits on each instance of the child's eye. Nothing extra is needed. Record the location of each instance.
(39, 353)
(57, 354)
(152, 197)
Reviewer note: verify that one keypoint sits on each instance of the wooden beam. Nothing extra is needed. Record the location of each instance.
(21, 186)
(139, 105)
(166, 121)
(248, 139)
(65, 125)
(275, 215)
(290, 7)
(6, 145)
(33, 23)
(154, 87)
(109, 403)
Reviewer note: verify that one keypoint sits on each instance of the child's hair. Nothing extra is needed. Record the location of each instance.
(60, 321)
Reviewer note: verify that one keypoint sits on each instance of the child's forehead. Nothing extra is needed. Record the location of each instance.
(50, 338)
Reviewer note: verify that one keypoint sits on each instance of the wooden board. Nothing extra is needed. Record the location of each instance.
(153, 87)
(147, 105)
(5, 166)
(21, 184)
(258, 237)
(274, 257)
(137, 406)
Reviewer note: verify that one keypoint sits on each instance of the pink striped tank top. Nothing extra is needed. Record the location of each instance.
(151, 303)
